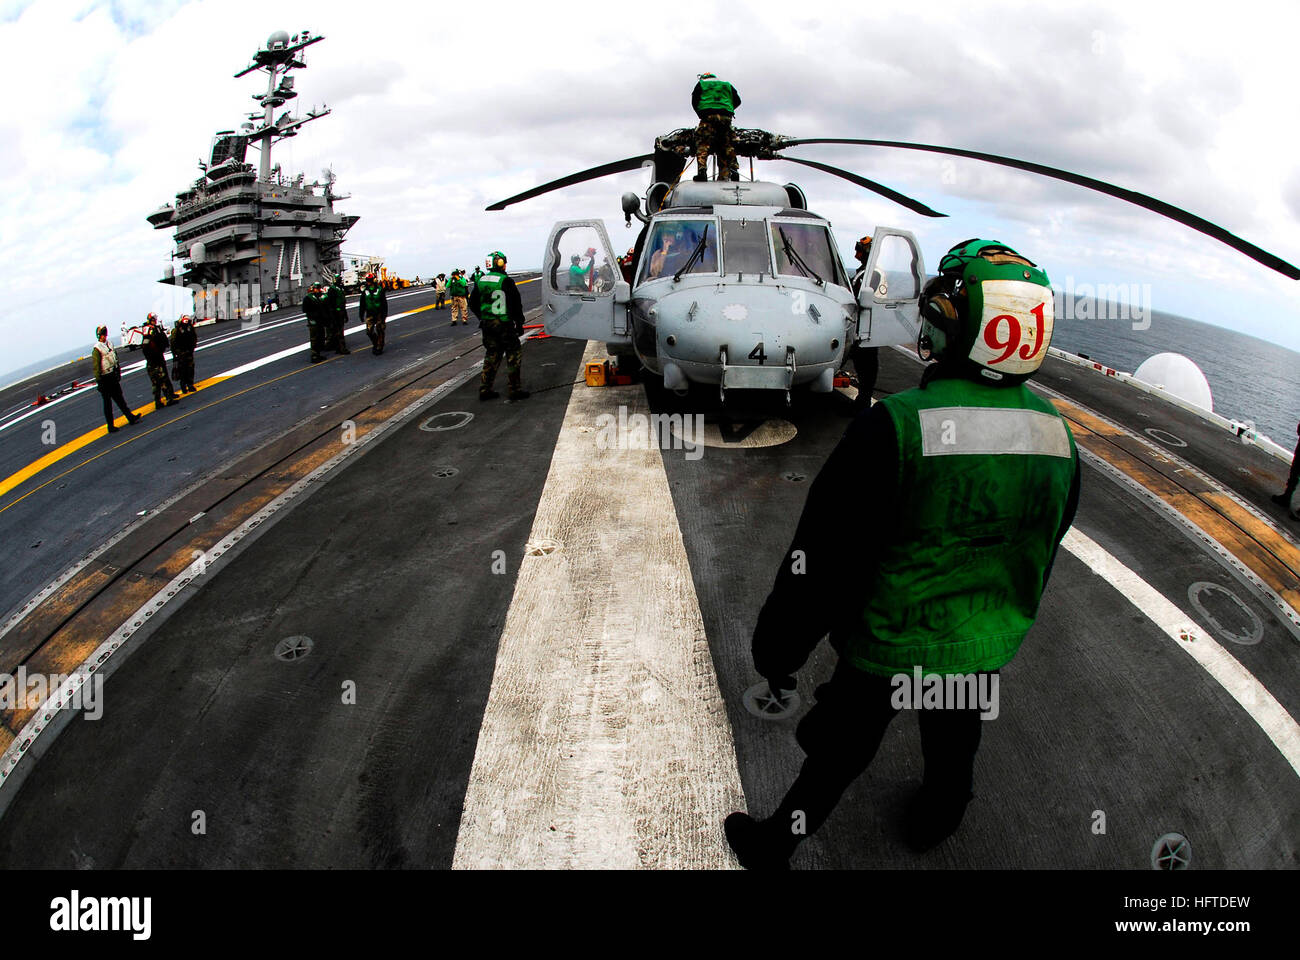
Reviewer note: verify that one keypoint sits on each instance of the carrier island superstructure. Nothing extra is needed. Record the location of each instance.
(255, 233)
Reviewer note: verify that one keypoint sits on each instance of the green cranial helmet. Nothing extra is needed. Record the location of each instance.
(496, 260)
(988, 315)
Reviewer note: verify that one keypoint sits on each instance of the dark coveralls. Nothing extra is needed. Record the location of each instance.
(154, 347)
(374, 312)
(317, 310)
(109, 385)
(500, 336)
(184, 342)
(338, 304)
(842, 732)
(1293, 479)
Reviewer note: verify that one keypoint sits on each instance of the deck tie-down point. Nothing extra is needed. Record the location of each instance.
(768, 704)
(293, 648)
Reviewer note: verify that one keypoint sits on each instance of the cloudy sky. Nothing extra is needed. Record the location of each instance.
(436, 113)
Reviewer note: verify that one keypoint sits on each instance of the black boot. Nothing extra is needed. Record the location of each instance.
(518, 395)
(1283, 499)
(702, 176)
(754, 844)
(488, 394)
(931, 818)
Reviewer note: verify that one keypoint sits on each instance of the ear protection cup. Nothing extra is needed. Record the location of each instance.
(940, 311)
(937, 302)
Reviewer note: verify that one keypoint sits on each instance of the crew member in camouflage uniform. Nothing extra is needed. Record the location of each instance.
(338, 304)
(374, 311)
(458, 287)
(154, 347)
(715, 102)
(317, 310)
(495, 301)
(184, 342)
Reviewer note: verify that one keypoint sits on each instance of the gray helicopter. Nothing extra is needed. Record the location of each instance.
(738, 285)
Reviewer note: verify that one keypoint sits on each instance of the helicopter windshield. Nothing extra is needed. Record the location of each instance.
(804, 250)
(671, 244)
(744, 247)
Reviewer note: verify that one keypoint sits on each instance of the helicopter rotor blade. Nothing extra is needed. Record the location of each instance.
(1176, 214)
(914, 205)
(594, 173)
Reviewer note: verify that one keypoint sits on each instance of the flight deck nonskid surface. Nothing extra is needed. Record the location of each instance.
(67, 510)
(388, 567)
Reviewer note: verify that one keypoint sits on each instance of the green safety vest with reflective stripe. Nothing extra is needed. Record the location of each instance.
(457, 286)
(717, 95)
(983, 477)
(372, 299)
(491, 296)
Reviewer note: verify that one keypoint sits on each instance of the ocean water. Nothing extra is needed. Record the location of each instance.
(1250, 379)
(69, 358)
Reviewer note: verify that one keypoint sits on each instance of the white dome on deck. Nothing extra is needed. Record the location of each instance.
(1179, 376)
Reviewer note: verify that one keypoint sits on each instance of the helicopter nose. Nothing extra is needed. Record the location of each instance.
(751, 328)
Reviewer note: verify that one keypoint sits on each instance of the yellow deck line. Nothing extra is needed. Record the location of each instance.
(72, 446)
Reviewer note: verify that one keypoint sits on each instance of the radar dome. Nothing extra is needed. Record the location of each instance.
(1179, 376)
(279, 39)
(198, 251)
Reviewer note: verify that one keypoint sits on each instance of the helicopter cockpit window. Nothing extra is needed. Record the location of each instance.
(672, 243)
(804, 250)
(895, 276)
(744, 247)
(581, 263)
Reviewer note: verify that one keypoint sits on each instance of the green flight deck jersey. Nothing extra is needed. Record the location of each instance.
(984, 473)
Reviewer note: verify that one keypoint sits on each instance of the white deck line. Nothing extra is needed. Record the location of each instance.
(605, 742)
(1194, 640)
(132, 366)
